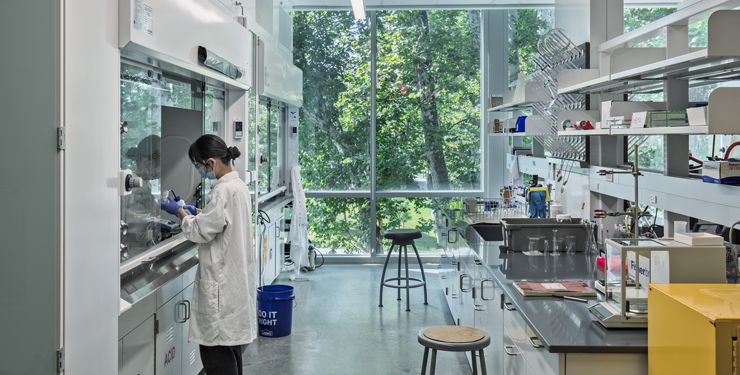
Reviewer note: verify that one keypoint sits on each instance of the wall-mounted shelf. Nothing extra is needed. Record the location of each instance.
(507, 135)
(513, 106)
(584, 132)
(642, 70)
(662, 130)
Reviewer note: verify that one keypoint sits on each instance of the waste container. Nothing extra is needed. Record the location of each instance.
(275, 310)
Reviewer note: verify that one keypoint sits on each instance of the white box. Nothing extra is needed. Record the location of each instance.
(698, 116)
(721, 172)
(698, 239)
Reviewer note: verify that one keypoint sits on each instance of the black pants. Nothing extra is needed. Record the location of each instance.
(222, 360)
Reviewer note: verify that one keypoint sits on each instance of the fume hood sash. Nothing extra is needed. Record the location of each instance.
(277, 77)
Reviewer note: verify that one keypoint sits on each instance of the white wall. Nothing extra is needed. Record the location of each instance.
(575, 198)
(91, 108)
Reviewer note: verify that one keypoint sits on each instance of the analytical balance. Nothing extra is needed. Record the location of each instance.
(640, 262)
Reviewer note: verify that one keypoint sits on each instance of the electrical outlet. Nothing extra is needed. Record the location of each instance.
(654, 199)
(596, 186)
(610, 177)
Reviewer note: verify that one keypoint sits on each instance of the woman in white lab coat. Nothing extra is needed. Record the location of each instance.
(224, 299)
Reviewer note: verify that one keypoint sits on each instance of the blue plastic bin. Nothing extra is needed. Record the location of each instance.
(275, 310)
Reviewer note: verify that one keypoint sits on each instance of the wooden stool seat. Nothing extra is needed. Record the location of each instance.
(454, 339)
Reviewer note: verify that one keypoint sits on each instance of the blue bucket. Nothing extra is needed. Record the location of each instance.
(275, 310)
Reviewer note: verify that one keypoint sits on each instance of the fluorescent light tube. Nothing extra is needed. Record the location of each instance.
(358, 8)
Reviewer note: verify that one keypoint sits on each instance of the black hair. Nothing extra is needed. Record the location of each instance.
(211, 146)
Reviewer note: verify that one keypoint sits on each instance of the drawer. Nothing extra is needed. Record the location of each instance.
(539, 360)
(514, 323)
(514, 363)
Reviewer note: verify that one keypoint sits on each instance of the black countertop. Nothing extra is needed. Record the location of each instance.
(563, 326)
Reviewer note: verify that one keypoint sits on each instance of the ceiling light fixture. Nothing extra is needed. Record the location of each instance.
(358, 8)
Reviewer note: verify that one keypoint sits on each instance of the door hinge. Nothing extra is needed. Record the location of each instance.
(61, 138)
(502, 301)
(60, 361)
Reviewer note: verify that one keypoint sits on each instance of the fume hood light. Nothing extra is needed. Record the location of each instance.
(358, 8)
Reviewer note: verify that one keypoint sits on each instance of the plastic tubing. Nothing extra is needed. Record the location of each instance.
(696, 160)
(727, 154)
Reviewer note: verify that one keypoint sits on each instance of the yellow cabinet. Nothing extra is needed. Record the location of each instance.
(693, 328)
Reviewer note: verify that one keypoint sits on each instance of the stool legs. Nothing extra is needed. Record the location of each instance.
(382, 278)
(421, 268)
(483, 363)
(475, 366)
(406, 257)
(434, 361)
(400, 252)
(424, 364)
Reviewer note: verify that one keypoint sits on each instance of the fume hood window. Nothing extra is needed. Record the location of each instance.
(164, 116)
(141, 108)
(272, 119)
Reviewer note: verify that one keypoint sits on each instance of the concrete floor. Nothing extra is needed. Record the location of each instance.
(338, 327)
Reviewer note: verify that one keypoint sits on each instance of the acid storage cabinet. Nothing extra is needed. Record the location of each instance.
(693, 328)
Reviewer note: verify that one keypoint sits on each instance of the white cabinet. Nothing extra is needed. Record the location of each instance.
(169, 337)
(489, 317)
(191, 364)
(137, 350)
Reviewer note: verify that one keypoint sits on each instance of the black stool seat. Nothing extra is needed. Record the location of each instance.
(402, 234)
(401, 239)
(454, 339)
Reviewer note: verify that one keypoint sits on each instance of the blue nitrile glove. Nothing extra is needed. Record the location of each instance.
(190, 209)
(170, 206)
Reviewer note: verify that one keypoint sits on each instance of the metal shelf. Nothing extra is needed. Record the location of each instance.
(585, 86)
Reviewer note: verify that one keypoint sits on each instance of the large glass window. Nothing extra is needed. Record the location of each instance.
(339, 225)
(428, 121)
(333, 50)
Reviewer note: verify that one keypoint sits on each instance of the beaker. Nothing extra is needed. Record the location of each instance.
(534, 242)
(570, 243)
(557, 246)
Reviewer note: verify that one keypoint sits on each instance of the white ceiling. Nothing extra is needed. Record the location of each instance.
(448, 4)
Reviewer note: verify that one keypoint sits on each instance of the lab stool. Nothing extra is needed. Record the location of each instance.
(402, 238)
(454, 339)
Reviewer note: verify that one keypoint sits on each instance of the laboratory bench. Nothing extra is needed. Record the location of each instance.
(533, 335)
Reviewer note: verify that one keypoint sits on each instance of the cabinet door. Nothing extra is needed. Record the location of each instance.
(489, 318)
(191, 364)
(169, 338)
(137, 350)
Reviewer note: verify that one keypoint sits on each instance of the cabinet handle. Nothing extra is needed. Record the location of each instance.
(454, 262)
(473, 293)
(177, 312)
(531, 341)
(478, 262)
(443, 277)
(480, 308)
(462, 289)
(277, 231)
(187, 316)
(507, 347)
(454, 295)
(449, 238)
(507, 304)
(443, 255)
(481, 289)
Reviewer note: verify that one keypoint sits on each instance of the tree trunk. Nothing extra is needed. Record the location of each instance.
(432, 130)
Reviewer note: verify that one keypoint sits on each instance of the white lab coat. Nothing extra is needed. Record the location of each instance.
(224, 300)
(298, 224)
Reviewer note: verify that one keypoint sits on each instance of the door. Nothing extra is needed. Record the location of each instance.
(137, 352)
(169, 338)
(191, 364)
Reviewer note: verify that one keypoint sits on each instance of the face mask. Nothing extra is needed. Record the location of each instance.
(210, 175)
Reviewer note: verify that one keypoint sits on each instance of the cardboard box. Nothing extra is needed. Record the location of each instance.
(721, 172)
